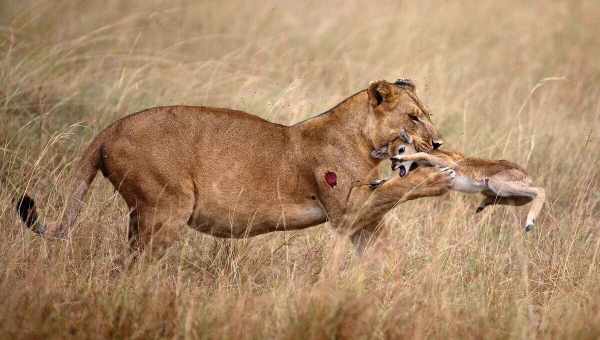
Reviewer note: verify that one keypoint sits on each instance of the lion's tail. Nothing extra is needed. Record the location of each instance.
(86, 171)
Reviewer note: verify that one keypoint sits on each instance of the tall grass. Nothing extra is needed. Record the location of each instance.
(486, 69)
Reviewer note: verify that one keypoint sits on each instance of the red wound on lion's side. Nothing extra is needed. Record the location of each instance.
(331, 178)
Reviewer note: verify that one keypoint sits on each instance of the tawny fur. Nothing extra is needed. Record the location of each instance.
(500, 181)
(231, 174)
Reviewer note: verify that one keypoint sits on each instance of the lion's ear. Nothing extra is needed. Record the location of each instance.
(406, 83)
(379, 91)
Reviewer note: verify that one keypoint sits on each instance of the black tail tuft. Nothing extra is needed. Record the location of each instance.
(26, 209)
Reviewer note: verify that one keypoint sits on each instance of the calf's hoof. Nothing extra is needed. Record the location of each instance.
(376, 183)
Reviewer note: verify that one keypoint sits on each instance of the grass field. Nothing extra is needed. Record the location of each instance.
(504, 79)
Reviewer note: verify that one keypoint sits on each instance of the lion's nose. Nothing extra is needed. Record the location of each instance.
(437, 143)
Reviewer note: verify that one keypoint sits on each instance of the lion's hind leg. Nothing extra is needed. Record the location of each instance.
(152, 228)
(158, 203)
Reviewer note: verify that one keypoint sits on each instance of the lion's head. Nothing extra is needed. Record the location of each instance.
(395, 107)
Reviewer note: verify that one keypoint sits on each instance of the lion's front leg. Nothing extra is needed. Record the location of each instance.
(367, 207)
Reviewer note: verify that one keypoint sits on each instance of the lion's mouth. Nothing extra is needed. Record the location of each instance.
(423, 146)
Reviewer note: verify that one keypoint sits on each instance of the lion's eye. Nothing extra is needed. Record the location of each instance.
(414, 118)
(401, 150)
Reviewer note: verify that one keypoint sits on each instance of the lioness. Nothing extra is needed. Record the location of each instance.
(500, 181)
(231, 174)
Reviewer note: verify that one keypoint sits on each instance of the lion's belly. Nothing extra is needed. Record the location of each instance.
(254, 188)
(243, 220)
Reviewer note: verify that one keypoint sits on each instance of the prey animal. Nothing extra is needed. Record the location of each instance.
(500, 181)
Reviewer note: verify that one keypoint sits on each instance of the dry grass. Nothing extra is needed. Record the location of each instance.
(68, 68)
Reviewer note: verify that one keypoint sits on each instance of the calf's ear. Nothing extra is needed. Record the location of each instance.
(381, 152)
(406, 138)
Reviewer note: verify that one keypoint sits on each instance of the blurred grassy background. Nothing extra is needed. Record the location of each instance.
(512, 79)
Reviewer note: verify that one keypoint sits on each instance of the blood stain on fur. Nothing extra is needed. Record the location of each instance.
(331, 178)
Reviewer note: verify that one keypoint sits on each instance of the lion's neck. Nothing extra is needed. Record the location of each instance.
(340, 128)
